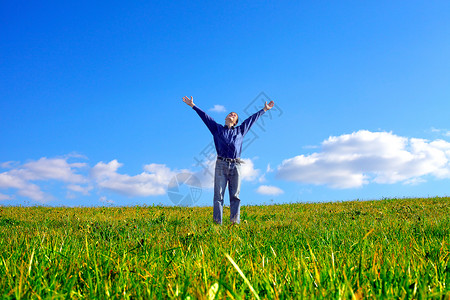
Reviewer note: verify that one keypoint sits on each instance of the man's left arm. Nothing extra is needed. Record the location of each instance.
(248, 123)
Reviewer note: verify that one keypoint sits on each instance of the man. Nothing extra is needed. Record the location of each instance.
(228, 141)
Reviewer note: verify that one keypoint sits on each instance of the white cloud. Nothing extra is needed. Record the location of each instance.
(353, 160)
(8, 181)
(80, 189)
(33, 191)
(249, 173)
(54, 168)
(414, 181)
(7, 164)
(21, 177)
(269, 190)
(218, 108)
(5, 197)
(444, 132)
(25, 188)
(262, 178)
(152, 182)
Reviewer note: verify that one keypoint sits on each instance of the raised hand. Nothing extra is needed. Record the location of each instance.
(268, 106)
(188, 101)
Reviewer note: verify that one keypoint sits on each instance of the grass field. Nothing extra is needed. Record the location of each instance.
(390, 248)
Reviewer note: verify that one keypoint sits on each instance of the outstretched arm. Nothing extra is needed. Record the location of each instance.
(188, 101)
(209, 122)
(248, 123)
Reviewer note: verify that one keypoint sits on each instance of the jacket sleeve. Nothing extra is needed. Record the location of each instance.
(209, 122)
(248, 123)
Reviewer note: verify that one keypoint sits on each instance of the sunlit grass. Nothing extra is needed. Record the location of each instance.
(391, 248)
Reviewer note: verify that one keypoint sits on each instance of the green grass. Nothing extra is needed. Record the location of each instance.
(391, 248)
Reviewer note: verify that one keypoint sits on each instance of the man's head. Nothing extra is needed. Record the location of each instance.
(232, 119)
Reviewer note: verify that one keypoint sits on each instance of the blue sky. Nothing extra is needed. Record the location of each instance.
(91, 110)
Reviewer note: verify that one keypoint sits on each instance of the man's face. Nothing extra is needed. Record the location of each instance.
(232, 118)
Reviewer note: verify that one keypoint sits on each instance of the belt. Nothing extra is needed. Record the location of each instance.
(232, 160)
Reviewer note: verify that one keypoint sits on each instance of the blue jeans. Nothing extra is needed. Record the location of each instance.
(227, 173)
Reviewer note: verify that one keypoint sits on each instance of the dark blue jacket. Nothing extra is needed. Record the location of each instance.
(228, 141)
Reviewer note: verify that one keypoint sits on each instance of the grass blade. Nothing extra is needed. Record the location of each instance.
(243, 276)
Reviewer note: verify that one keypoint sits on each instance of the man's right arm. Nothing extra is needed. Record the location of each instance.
(209, 122)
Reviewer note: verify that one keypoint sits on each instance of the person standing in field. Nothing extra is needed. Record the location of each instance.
(228, 140)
